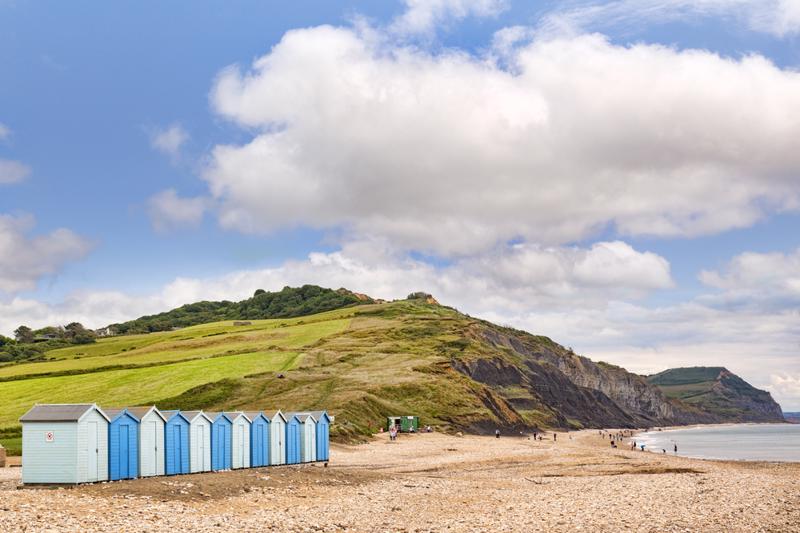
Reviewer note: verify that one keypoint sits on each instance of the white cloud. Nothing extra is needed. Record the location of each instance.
(169, 211)
(577, 134)
(12, 171)
(170, 140)
(423, 16)
(25, 259)
(777, 17)
(764, 280)
(785, 385)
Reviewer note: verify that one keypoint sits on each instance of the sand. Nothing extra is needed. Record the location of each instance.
(433, 482)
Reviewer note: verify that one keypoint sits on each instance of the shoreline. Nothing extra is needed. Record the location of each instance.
(671, 430)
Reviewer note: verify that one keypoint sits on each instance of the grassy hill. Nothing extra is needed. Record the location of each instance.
(362, 363)
(720, 392)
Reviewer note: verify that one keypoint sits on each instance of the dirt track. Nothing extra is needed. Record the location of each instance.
(434, 483)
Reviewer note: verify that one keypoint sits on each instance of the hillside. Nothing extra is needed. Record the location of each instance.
(287, 303)
(719, 392)
(361, 362)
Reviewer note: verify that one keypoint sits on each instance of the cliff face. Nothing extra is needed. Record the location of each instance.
(719, 392)
(592, 394)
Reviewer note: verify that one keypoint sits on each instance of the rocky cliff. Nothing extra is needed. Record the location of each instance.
(720, 393)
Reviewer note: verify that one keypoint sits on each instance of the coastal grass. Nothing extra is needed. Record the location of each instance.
(198, 342)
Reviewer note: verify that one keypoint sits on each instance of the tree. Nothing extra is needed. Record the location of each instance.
(5, 341)
(75, 332)
(259, 291)
(23, 334)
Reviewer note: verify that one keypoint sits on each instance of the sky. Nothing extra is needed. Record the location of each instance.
(622, 176)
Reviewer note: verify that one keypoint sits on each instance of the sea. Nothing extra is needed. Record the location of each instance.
(742, 442)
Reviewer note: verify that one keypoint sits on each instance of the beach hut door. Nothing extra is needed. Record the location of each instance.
(94, 454)
(176, 448)
(240, 431)
(124, 457)
(151, 467)
(201, 441)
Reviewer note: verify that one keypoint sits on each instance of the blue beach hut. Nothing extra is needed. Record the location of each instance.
(293, 428)
(221, 441)
(176, 443)
(259, 439)
(123, 444)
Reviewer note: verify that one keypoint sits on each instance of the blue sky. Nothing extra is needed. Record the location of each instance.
(472, 148)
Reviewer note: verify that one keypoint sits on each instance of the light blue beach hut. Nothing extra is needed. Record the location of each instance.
(259, 438)
(221, 441)
(123, 444)
(293, 430)
(277, 437)
(240, 439)
(176, 443)
(64, 444)
(151, 440)
(199, 441)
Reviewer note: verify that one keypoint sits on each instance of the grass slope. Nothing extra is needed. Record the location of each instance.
(138, 369)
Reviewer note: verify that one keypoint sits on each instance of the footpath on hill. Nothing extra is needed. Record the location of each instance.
(434, 482)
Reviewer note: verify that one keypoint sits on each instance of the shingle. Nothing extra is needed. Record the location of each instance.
(66, 412)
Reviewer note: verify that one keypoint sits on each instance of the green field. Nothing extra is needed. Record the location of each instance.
(138, 369)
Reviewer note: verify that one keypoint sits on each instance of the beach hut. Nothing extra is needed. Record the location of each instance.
(221, 441)
(293, 427)
(123, 444)
(277, 437)
(151, 440)
(64, 443)
(259, 438)
(323, 434)
(199, 441)
(308, 437)
(240, 439)
(177, 443)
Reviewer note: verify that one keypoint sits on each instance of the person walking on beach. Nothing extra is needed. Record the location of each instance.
(676, 448)
(497, 433)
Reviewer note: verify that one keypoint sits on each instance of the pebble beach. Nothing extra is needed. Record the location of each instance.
(434, 482)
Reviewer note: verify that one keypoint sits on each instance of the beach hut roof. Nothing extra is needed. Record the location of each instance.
(214, 415)
(252, 415)
(318, 415)
(114, 413)
(192, 415)
(60, 412)
(141, 412)
(233, 415)
(273, 414)
(302, 417)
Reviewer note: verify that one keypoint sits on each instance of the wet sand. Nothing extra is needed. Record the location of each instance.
(433, 482)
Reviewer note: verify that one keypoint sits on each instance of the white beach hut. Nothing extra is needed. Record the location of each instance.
(151, 440)
(64, 443)
(240, 447)
(199, 441)
(277, 437)
(308, 437)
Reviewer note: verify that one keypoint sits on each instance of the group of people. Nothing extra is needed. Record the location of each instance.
(618, 436)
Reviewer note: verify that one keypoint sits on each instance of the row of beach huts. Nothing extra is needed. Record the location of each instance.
(82, 443)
